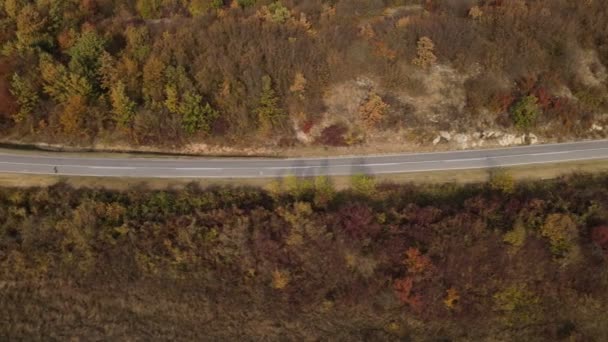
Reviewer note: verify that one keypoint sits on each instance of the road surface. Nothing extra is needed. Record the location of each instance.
(57, 163)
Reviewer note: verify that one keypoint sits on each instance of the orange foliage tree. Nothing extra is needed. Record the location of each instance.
(73, 113)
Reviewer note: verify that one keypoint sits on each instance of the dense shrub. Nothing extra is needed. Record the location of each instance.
(334, 135)
(525, 112)
(420, 262)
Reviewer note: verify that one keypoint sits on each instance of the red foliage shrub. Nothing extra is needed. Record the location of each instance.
(599, 235)
(307, 126)
(544, 98)
(333, 135)
(481, 205)
(431, 6)
(358, 222)
(422, 216)
(416, 263)
(403, 291)
(564, 110)
(88, 6)
(501, 102)
(220, 126)
(527, 83)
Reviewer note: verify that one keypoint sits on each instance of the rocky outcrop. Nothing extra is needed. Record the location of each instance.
(479, 139)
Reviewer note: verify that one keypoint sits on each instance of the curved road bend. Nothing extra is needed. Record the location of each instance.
(254, 168)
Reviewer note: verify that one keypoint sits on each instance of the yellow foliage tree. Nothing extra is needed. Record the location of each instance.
(373, 111)
(451, 299)
(561, 230)
(299, 84)
(502, 181)
(517, 305)
(30, 27)
(363, 185)
(475, 12)
(152, 88)
(425, 53)
(122, 106)
(73, 114)
(280, 279)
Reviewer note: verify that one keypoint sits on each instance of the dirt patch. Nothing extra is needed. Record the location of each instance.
(443, 94)
(589, 70)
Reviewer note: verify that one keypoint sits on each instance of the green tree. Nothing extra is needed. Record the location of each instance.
(138, 42)
(245, 3)
(363, 185)
(177, 77)
(172, 99)
(195, 116)
(61, 84)
(324, 191)
(295, 186)
(123, 107)
(148, 9)
(270, 116)
(276, 12)
(502, 181)
(27, 97)
(525, 112)
(86, 56)
(200, 7)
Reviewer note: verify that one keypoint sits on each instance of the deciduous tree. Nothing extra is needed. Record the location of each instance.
(562, 232)
(270, 115)
(27, 97)
(73, 114)
(148, 9)
(123, 107)
(152, 87)
(425, 53)
(30, 27)
(373, 111)
(61, 84)
(298, 86)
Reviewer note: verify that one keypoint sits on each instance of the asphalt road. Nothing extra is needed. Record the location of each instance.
(57, 163)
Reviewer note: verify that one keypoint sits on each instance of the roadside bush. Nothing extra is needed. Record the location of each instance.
(502, 181)
(525, 112)
(562, 232)
(334, 135)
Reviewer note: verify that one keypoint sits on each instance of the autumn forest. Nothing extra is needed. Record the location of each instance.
(304, 261)
(283, 73)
